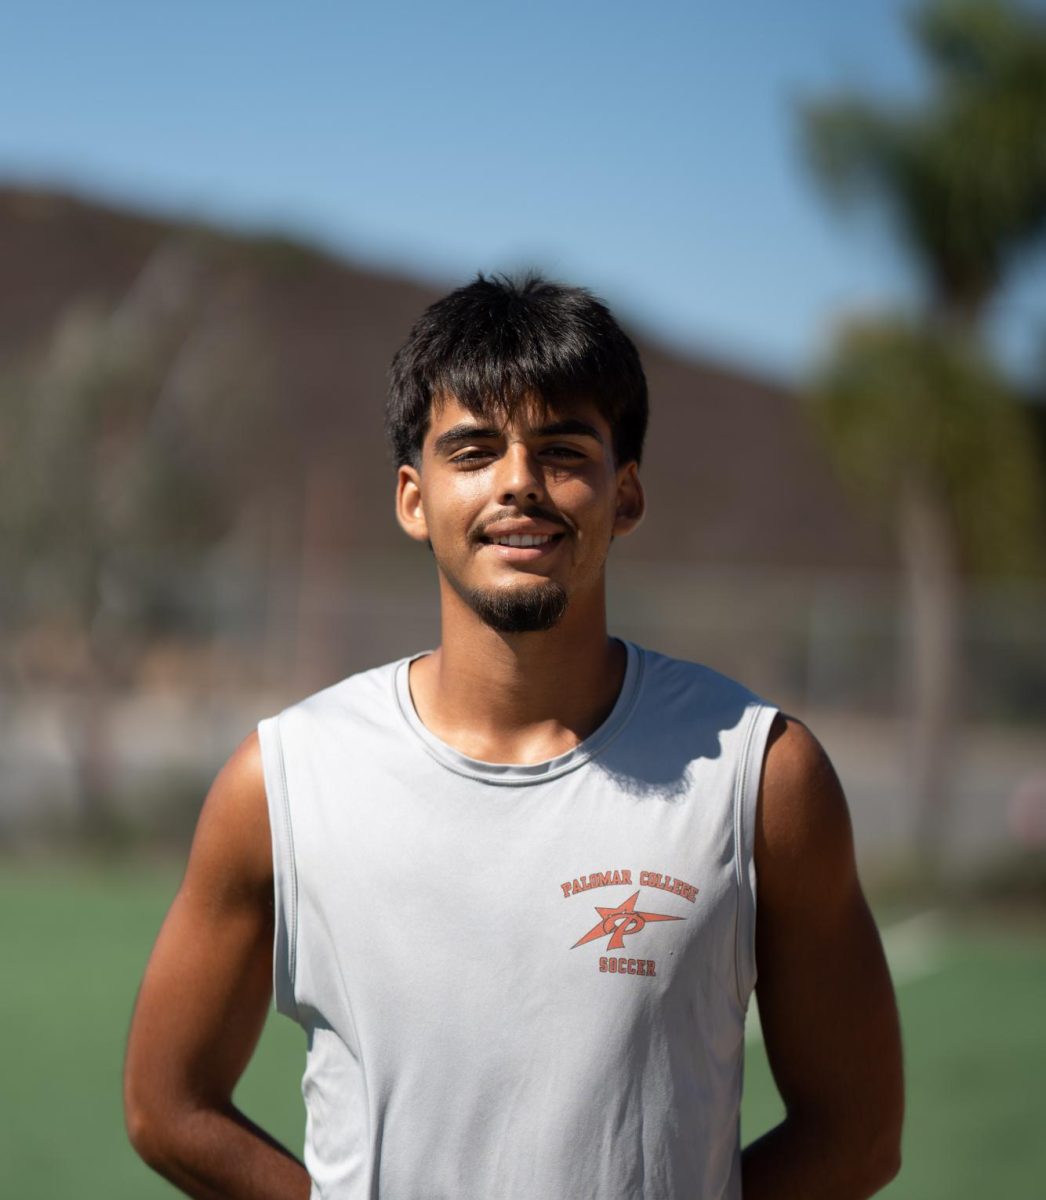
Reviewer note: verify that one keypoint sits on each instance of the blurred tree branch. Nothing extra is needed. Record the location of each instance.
(122, 454)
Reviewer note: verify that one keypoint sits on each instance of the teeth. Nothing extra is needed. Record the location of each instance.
(523, 539)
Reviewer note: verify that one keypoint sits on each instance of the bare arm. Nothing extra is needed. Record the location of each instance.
(826, 1002)
(203, 1003)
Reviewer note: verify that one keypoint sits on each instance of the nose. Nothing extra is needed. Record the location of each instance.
(520, 477)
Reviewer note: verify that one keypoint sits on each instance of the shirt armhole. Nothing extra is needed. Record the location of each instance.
(284, 870)
(759, 719)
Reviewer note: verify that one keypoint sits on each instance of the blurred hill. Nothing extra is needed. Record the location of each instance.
(734, 476)
(197, 528)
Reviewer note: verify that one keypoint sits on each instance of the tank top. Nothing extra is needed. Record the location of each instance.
(519, 982)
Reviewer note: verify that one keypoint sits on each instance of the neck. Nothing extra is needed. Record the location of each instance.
(518, 697)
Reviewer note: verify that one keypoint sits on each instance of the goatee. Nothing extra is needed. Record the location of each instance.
(518, 610)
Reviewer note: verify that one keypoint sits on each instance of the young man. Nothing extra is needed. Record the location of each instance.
(515, 878)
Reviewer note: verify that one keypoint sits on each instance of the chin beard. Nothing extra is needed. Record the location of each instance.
(519, 610)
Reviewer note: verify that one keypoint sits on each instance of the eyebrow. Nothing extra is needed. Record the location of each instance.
(570, 425)
(465, 432)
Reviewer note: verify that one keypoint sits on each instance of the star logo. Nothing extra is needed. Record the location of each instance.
(618, 923)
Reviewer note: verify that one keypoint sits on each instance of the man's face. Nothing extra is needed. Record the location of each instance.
(519, 513)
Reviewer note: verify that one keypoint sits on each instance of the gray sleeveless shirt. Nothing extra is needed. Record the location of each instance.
(519, 982)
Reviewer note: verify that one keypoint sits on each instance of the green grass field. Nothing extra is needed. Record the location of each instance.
(73, 943)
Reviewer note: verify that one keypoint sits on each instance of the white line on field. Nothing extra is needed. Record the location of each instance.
(914, 949)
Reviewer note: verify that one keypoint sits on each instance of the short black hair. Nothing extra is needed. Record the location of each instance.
(499, 342)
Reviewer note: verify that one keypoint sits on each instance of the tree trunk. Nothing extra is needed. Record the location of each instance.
(928, 546)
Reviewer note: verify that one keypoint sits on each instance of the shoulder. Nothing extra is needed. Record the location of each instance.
(363, 693)
(803, 836)
(799, 786)
(692, 683)
(232, 849)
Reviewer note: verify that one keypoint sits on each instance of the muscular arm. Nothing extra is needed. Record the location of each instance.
(825, 999)
(202, 1005)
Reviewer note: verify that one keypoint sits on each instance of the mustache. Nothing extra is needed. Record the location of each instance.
(532, 512)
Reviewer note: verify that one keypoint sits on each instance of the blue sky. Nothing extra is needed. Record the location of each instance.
(646, 150)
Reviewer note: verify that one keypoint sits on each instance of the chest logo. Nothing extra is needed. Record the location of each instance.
(621, 922)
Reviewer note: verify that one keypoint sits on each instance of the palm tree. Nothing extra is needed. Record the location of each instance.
(914, 408)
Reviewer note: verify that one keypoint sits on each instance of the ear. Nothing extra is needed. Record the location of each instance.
(631, 500)
(409, 509)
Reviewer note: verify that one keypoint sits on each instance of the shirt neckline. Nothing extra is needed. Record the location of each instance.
(522, 773)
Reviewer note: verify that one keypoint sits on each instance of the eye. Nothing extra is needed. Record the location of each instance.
(471, 458)
(563, 452)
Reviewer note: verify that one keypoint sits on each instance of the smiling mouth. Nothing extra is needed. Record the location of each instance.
(522, 540)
